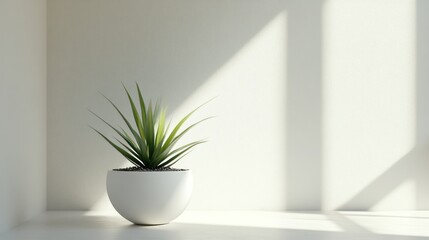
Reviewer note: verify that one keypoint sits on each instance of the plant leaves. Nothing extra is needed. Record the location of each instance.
(177, 127)
(170, 160)
(123, 134)
(137, 137)
(127, 155)
(151, 144)
(142, 105)
(137, 119)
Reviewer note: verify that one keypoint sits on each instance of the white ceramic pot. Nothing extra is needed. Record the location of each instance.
(149, 198)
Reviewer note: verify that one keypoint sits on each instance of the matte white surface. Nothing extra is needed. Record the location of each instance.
(245, 225)
(22, 110)
(149, 198)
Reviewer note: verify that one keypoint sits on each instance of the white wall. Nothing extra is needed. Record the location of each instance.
(186, 52)
(370, 99)
(319, 102)
(23, 110)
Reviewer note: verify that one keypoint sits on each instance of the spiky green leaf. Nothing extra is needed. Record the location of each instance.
(127, 155)
(150, 145)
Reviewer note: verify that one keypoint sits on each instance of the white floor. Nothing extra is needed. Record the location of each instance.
(229, 225)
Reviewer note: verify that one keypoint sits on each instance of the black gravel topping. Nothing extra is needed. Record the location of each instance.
(140, 169)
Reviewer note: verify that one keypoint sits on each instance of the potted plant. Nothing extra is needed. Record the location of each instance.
(151, 192)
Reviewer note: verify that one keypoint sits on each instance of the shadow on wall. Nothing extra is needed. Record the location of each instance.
(422, 74)
(304, 106)
(172, 48)
(415, 164)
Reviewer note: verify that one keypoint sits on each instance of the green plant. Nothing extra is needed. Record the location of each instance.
(150, 144)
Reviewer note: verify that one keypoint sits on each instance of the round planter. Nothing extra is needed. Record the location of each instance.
(149, 198)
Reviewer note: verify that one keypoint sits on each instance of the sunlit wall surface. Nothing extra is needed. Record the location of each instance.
(185, 52)
(369, 111)
(247, 131)
(319, 104)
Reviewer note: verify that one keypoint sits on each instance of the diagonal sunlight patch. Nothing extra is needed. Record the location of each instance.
(369, 98)
(396, 199)
(405, 223)
(263, 219)
(250, 111)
